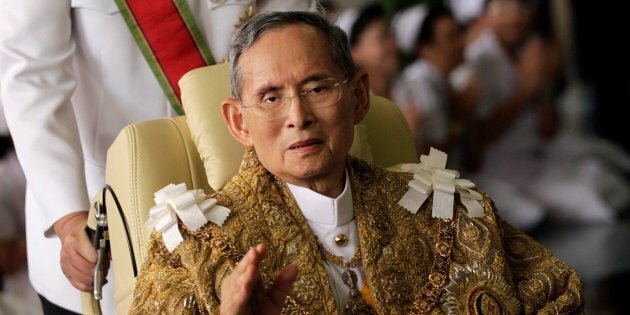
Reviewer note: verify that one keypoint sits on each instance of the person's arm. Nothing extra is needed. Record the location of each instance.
(533, 81)
(36, 55)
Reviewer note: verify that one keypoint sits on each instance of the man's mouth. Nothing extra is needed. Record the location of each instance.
(302, 144)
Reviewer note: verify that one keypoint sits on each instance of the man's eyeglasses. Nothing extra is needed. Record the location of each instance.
(316, 94)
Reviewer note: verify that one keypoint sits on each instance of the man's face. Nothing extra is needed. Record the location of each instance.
(305, 145)
(376, 49)
(448, 41)
(510, 21)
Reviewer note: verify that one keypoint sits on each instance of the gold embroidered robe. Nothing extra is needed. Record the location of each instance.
(413, 263)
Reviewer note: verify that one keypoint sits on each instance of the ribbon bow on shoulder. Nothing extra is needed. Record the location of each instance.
(191, 206)
(430, 175)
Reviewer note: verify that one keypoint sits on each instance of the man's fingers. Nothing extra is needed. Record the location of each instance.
(78, 276)
(242, 291)
(282, 284)
(78, 260)
(237, 287)
(253, 256)
(77, 245)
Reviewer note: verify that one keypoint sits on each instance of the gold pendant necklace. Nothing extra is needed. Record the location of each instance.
(356, 304)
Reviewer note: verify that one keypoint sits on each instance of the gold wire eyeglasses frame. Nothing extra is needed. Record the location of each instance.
(316, 94)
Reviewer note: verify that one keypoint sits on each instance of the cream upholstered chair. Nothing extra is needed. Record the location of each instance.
(198, 150)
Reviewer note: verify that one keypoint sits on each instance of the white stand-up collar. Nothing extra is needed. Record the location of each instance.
(324, 210)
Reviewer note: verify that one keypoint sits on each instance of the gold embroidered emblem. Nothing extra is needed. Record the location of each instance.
(474, 290)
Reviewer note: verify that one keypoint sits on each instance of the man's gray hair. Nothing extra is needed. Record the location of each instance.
(262, 23)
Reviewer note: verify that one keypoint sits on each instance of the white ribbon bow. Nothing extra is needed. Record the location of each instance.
(430, 175)
(191, 206)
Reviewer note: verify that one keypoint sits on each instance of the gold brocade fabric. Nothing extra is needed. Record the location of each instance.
(413, 263)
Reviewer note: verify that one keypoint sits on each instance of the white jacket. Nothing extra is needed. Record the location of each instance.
(72, 77)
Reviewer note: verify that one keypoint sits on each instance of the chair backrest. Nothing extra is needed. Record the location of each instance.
(198, 150)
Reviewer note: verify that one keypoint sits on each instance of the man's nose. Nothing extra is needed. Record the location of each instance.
(298, 111)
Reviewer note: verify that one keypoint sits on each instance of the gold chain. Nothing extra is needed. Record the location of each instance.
(355, 305)
(353, 262)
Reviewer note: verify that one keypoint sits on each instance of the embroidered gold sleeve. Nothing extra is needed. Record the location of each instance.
(544, 283)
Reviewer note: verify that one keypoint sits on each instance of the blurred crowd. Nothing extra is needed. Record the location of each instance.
(493, 83)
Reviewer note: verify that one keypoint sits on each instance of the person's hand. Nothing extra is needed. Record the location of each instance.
(78, 256)
(532, 67)
(242, 291)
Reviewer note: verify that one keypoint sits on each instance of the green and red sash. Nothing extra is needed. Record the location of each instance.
(169, 39)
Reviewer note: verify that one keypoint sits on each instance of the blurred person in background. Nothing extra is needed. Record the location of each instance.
(16, 294)
(436, 115)
(372, 44)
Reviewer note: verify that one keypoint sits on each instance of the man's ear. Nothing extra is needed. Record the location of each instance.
(361, 90)
(233, 116)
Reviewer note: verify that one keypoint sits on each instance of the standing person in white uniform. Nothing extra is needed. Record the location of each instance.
(72, 78)
(423, 92)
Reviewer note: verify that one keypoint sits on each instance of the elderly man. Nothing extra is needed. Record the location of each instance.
(311, 230)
